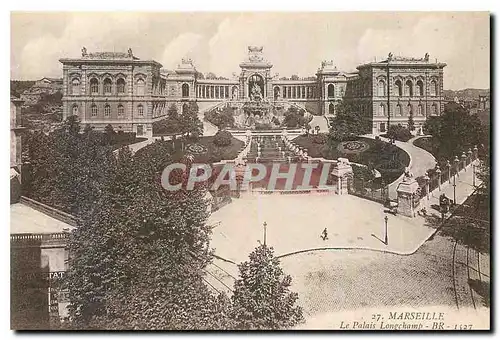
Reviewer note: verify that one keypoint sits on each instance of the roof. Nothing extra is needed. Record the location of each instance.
(404, 61)
(56, 80)
(109, 55)
(27, 220)
(116, 57)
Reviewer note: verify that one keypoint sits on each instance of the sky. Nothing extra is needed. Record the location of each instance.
(295, 43)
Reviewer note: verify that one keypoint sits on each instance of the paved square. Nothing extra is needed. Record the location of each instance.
(295, 223)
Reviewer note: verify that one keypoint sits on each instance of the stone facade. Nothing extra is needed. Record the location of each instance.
(129, 93)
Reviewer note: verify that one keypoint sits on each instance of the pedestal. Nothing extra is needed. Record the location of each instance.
(407, 201)
(343, 172)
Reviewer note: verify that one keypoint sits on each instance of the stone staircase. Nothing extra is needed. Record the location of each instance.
(269, 149)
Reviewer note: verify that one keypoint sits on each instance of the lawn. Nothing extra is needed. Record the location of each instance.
(115, 145)
(387, 158)
(216, 153)
(427, 144)
(204, 149)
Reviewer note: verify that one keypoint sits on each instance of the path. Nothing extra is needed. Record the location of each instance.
(321, 122)
(420, 162)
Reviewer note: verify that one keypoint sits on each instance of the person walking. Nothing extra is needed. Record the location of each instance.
(324, 234)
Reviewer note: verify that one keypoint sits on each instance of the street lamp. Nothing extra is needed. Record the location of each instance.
(265, 232)
(454, 190)
(438, 172)
(448, 165)
(474, 164)
(475, 151)
(427, 186)
(386, 239)
(456, 161)
(469, 155)
(464, 158)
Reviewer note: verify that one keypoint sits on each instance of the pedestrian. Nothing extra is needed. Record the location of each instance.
(324, 234)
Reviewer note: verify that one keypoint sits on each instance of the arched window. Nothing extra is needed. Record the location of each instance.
(420, 110)
(75, 86)
(331, 109)
(185, 90)
(75, 110)
(120, 86)
(399, 110)
(420, 88)
(140, 110)
(408, 109)
(276, 93)
(184, 108)
(107, 110)
(140, 87)
(107, 86)
(94, 86)
(434, 109)
(93, 110)
(398, 88)
(381, 110)
(331, 90)
(121, 110)
(434, 90)
(409, 88)
(381, 88)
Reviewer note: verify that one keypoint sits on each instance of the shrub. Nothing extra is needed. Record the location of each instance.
(320, 138)
(223, 138)
(399, 132)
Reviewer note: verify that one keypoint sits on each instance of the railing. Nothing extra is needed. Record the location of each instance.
(40, 239)
(327, 190)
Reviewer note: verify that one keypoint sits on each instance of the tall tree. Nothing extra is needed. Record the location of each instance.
(191, 124)
(262, 298)
(348, 123)
(455, 131)
(411, 122)
(139, 259)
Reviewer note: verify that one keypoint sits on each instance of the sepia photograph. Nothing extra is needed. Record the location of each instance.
(262, 171)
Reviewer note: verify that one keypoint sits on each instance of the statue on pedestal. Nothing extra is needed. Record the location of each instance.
(256, 93)
(84, 52)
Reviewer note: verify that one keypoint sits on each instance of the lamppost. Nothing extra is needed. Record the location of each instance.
(469, 155)
(475, 151)
(448, 165)
(474, 164)
(454, 190)
(386, 239)
(438, 172)
(427, 181)
(456, 161)
(265, 232)
(464, 158)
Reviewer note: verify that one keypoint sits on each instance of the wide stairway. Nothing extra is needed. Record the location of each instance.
(269, 149)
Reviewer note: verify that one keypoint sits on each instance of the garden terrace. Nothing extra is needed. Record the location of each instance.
(387, 158)
(204, 150)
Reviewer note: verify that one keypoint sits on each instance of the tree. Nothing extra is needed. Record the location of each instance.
(262, 298)
(138, 260)
(67, 169)
(399, 132)
(455, 131)
(411, 123)
(348, 123)
(190, 123)
(210, 75)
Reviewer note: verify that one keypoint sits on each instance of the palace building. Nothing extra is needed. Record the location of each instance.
(130, 94)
